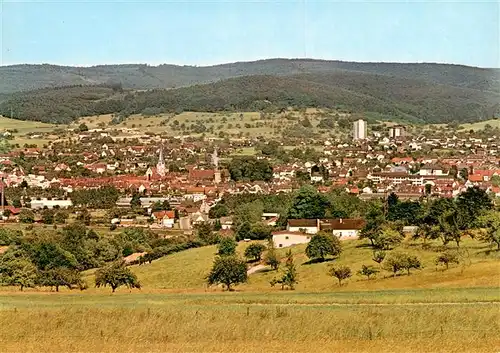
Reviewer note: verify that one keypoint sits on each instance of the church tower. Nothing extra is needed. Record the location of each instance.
(215, 162)
(160, 166)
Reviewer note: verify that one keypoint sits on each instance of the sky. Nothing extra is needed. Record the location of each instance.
(85, 33)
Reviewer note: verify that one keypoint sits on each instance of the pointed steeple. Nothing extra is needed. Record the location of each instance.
(160, 167)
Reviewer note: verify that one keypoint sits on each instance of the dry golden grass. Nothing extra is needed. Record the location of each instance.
(122, 326)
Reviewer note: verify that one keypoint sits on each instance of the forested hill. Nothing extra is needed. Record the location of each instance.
(392, 96)
(136, 76)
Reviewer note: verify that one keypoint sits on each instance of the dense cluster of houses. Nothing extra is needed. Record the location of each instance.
(189, 170)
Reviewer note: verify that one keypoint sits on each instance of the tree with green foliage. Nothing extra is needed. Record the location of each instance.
(249, 168)
(322, 245)
(84, 216)
(228, 271)
(26, 216)
(135, 202)
(271, 258)
(116, 275)
(388, 238)
(16, 269)
(48, 216)
(60, 217)
(340, 272)
(10, 236)
(218, 211)
(379, 256)
(375, 220)
(289, 278)
(227, 247)
(368, 270)
(472, 203)
(254, 251)
(308, 203)
(206, 234)
(260, 231)
(446, 258)
(399, 261)
(82, 127)
(490, 233)
(244, 231)
(61, 277)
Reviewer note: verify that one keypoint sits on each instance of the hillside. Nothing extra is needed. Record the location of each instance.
(394, 97)
(136, 76)
(187, 270)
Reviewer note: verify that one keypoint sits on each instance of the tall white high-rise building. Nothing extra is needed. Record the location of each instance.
(359, 130)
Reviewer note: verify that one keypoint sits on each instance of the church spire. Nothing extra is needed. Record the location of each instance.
(160, 167)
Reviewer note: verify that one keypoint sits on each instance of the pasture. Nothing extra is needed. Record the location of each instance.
(431, 310)
(237, 322)
(28, 127)
(481, 124)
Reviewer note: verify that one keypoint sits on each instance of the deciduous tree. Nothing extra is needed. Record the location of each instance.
(340, 272)
(116, 275)
(322, 245)
(228, 270)
(254, 251)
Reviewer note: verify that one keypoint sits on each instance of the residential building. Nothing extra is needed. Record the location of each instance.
(286, 238)
(359, 130)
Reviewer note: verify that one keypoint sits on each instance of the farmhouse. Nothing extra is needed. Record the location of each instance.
(309, 226)
(343, 228)
(285, 238)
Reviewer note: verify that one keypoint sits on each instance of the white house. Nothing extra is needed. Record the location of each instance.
(42, 203)
(344, 228)
(309, 226)
(164, 218)
(283, 239)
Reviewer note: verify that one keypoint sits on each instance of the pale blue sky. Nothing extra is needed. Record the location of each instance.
(211, 32)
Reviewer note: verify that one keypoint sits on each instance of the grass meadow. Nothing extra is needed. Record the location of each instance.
(124, 322)
(431, 310)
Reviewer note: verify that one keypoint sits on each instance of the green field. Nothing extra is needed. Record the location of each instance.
(235, 322)
(431, 310)
(26, 127)
(480, 125)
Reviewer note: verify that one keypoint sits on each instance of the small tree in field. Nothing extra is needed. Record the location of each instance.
(254, 251)
(228, 271)
(397, 261)
(322, 245)
(446, 258)
(272, 259)
(368, 270)
(289, 278)
(379, 256)
(116, 275)
(340, 272)
(227, 247)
